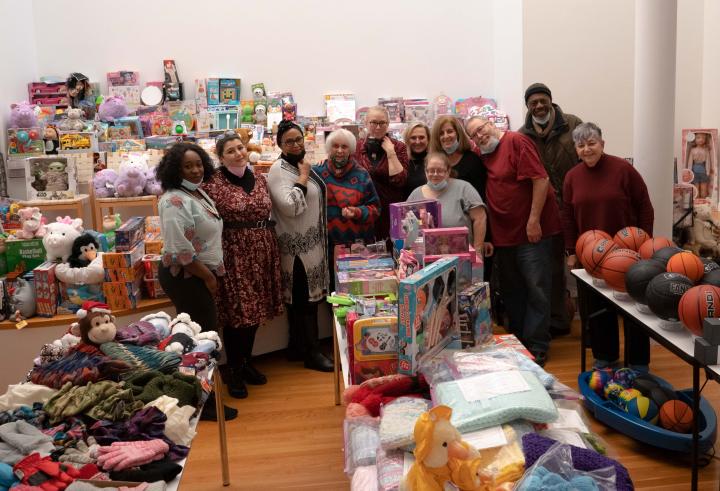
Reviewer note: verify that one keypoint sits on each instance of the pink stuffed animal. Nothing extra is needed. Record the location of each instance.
(60, 237)
(131, 181)
(23, 115)
(152, 185)
(33, 224)
(104, 183)
(112, 109)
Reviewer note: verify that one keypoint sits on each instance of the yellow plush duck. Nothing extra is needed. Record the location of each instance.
(441, 456)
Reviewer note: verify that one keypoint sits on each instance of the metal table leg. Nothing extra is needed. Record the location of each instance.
(217, 382)
(695, 429)
(336, 362)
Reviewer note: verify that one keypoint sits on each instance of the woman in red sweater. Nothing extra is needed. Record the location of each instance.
(605, 193)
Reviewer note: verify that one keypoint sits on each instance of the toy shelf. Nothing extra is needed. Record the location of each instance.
(76, 204)
(101, 204)
(143, 306)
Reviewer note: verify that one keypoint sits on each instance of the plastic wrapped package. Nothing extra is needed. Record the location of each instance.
(492, 360)
(573, 428)
(503, 463)
(364, 479)
(361, 442)
(390, 467)
(397, 421)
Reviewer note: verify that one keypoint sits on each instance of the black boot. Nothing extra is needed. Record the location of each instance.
(318, 361)
(314, 359)
(252, 375)
(295, 351)
(209, 410)
(248, 372)
(236, 384)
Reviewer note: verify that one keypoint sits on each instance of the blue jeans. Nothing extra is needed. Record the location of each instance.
(525, 274)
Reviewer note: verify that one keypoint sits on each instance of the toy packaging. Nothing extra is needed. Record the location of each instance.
(474, 315)
(427, 212)
(24, 255)
(130, 93)
(153, 288)
(123, 77)
(46, 289)
(130, 234)
(172, 87)
(125, 274)
(151, 266)
(50, 178)
(25, 141)
(428, 313)
(83, 141)
(115, 260)
(367, 282)
(73, 296)
(229, 91)
(466, 263)
(213, 91)
(201, 99)
(153, 243)
(373, 348)
(512, 342)
(122, 295)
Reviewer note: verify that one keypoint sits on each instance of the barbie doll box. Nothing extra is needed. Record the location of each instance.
(453, 240)
(428, 313)
(426, 212)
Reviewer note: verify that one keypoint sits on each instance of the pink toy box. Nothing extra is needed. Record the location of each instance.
(373, 348)
(426, 211)
(46, 289)
(367, 282)
(453, 240)
(470, 266)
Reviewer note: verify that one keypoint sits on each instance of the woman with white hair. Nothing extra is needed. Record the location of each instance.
(353, 205)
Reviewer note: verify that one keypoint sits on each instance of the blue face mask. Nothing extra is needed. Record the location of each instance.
(190, 186)
(452, 148)
(439, 186)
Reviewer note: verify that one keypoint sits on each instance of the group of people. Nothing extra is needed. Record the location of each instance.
(240, 246)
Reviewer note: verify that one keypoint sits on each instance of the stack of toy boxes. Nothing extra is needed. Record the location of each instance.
(428, 313)
(707, 346)
(474, 315)
(124, 268)
(440, 242)
(426, 212)
(46, 289)
(364, 274)
(153, 239)
(151, 267)
(129, 234)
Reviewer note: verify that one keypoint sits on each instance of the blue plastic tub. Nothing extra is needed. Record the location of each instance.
(657, 436)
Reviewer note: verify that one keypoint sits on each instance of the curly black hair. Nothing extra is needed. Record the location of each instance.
(169, 170)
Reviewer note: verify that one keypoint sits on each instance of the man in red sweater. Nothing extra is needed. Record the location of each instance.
(524, 217)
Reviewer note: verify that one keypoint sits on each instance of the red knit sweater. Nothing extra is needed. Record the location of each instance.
(609, 196)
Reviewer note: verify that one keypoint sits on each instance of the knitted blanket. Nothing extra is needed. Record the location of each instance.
(140, 357)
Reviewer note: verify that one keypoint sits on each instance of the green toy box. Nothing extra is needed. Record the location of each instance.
(24, 255)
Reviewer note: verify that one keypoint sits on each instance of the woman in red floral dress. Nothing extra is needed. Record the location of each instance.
(250, 292)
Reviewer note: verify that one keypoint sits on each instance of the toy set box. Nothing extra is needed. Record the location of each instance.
(153, 243)
(72, 296)
(122, 295)
(470, 266)
(427, 212)
(25, 141)
(452, 240)
(153, 288)
(24, 255)
(474, 315)
(373, 348)
(115, 260)
(46, 289)
(428, 313)
(129, 234)
(367, 282)
(50, 178)
(347, 260)
(125, 274)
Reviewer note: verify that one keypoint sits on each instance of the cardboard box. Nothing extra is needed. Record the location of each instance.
(372, 348)
(428, 313)
(367, 282)
(129, 234)
(46, 289)
(122, 295)
(125, 274)
(153, 243)
(124, 259)
(73, 296)
(151, 266)
(25, 254)
(153, 288)
(474, 315)
(426, 211)
(465, 266)
(453, 240)
(711, 330)
(152, 225)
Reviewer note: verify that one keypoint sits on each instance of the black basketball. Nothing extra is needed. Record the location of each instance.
(709, 264)
(711, 278)
(645, 383)
(664, 292)
(639, 275)
(660, 395)
(663, 255)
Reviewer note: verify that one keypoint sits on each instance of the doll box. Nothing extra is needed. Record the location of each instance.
(125, 274)
(124, 259)
(451, 240)
(465, 266)
(24, 255)
(129, 234)
(49, 178)
(373, 347)
(474, 315)
(367, 282)
(428, 313)
(426, 211)
(46, 289)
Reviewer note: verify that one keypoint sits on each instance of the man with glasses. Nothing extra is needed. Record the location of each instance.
(386, 160)
(524, 217)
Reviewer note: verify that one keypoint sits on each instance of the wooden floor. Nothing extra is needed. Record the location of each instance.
(289, 432)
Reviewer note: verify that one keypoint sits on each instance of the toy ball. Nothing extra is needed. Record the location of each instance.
(688, 264)
(663, 294)
(711, 278)
(639, 275)
(612, 391)
(22, 136)
(626, 396)
(645, 383)
(33, 134)
(650, 246)
(709, 264)
(643, 408)
(630, 238)
(676, 416)
(589, 237)
(179, 129)
(663, 255)
(625, 377)
(594, 253)
(615, 265)
(698, 303)
(598, 379)
(660, 395)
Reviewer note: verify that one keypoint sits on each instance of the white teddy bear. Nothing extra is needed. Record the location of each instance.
(186, 336)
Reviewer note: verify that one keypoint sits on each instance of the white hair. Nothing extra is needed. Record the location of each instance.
(586, 131)
(341, 134)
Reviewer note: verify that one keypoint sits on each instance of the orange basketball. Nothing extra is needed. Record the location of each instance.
(688, 264)
(630, 238)
(676, 416)
(697, 303)
(648, 248)
(586, 238)
(615, 265)
(594, 253)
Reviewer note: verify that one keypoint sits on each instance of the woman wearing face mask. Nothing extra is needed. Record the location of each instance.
(192, 255)
(298, 206)
(353, 205)
(249, 293)
(417, 139)
(462, 205)
(386, 160)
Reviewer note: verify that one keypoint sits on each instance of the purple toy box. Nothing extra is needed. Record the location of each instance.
(426, 211)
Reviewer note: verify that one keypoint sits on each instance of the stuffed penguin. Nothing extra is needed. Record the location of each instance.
(84, 251)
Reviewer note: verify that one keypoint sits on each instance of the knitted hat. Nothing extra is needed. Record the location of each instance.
(92, 306)
(537, 88)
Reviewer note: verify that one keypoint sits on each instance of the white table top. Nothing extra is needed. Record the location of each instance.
(342, 349)
(683, 339)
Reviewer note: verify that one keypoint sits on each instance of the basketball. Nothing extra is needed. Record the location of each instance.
(639, 275)
(711, 278)
(612, 391)
(598, 379)
(630, 238)
(663, 294)
(688, 264)
(589, 237)
(664, 254)
(709, 265)
(660, 395)
(615, 265)
(698, 303)
(676, 416)
(625, 377)
(643, 408)
(626, 396)
(594, 253)
(645, 383)
(650, 246)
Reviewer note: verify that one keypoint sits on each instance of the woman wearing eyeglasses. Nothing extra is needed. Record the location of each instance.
(386, 160)
(298, 197)
(462, 205)
(249, 293)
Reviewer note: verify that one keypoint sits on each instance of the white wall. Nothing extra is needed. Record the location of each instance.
(689, 68)
(711, 65)
(508, 36)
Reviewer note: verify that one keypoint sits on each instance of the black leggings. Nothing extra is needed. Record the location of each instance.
(190, 295)
(239, 343)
